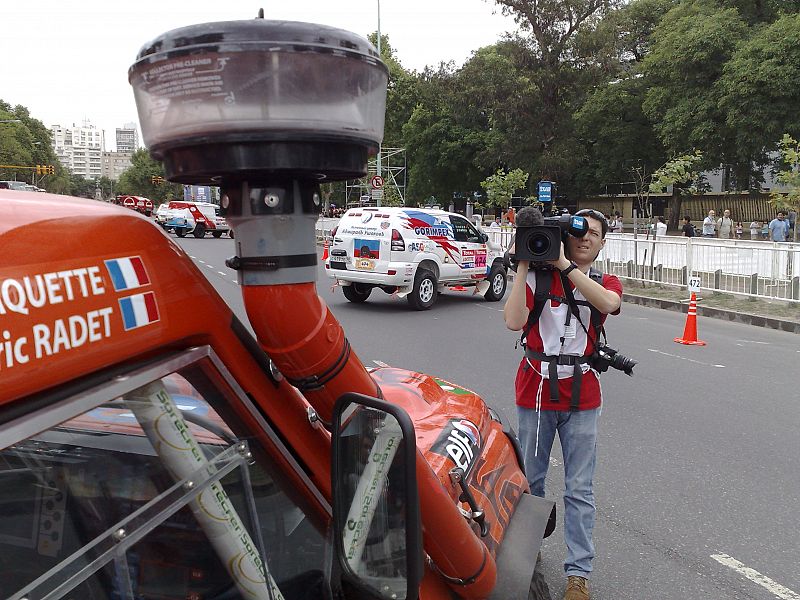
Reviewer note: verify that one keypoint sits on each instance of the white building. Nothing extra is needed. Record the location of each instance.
(114, 163)
(127, 138)
(79, 148)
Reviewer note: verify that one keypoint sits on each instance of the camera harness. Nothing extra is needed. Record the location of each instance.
(543, 294)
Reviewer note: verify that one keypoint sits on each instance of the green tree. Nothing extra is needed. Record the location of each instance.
(440, 140)
(25, 141)
(759, 92)
(562, 75)
(681, 173)
(138, 179)
(790, 177)
(80, 187)
(690, 47)
(500, 186)
(106, 187)
(401, 94)
(619, 141)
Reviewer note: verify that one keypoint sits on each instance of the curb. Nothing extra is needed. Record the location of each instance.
(716, 313)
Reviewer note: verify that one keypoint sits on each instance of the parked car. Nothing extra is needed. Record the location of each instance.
(13, 185)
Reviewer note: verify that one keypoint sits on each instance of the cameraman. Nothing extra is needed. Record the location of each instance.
(558, 343)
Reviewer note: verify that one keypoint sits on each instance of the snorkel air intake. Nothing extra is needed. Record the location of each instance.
(268, 110)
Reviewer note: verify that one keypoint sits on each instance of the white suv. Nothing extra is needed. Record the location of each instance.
(412, 252)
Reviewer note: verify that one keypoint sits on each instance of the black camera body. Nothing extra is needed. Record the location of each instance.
(540, 243)
(605, 357)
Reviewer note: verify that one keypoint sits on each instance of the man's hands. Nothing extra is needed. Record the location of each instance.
(562, 262)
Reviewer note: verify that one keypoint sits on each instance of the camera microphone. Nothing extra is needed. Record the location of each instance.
(529, 217)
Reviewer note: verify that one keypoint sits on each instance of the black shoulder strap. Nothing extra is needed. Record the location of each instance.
(544, 283)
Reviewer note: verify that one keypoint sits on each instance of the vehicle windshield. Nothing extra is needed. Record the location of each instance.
(157, 493)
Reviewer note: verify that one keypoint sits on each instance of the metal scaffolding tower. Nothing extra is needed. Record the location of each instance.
(393, 171)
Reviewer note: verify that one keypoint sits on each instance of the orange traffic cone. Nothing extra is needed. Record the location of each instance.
(325, 250)
(690, 331)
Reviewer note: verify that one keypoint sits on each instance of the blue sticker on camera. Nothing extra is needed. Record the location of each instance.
(579, 223)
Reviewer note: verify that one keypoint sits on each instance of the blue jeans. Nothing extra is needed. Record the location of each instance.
(577, 432)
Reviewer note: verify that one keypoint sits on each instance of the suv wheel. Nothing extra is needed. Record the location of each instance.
(425, 291)
(497, 284)
(356, 292)
(199, 230)
(180, 231)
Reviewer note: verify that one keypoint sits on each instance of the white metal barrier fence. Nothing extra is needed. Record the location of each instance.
(752, 268)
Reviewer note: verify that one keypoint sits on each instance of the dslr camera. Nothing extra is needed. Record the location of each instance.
(605, 356)
(541, 242)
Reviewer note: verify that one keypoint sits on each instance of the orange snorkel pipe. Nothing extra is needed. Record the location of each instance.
(276, 261)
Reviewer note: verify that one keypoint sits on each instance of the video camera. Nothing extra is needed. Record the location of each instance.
(540, 240)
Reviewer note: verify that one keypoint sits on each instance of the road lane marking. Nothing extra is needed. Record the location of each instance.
(699, 362)
(771, 586)
(753, 342)
(380, 363)
(223, 274)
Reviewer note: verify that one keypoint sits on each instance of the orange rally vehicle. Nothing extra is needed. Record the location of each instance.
(151, 448)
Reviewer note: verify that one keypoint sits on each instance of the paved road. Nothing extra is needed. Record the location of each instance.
(698, 452)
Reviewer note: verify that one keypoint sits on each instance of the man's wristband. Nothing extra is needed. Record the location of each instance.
(569, 269)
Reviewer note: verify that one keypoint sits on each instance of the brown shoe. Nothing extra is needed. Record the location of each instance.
(577, 588)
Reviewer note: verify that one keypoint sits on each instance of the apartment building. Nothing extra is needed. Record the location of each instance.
(79, 148)
(127, 138)
(115, 163)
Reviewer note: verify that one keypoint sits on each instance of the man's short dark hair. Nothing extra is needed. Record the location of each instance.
(597, 216)
(687, 218)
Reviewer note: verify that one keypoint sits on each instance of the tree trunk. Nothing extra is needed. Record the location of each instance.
(674, 208)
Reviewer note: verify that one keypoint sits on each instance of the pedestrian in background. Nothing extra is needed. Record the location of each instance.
(725, 225)
(661, 227)
(511, 217)
(710, 225)
(739, 230)
(754, 228)
(618, 226)
(688, 229)
(779, 228)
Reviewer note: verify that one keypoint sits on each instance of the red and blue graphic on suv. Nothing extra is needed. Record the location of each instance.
(432, 227)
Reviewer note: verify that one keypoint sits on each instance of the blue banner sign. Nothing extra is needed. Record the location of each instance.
(545, 191)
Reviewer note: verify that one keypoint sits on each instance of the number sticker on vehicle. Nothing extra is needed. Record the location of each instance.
(364, 264)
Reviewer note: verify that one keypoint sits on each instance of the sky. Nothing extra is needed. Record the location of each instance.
(68, 61)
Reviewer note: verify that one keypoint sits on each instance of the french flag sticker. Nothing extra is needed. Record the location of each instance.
(127, 273)
(138, 310)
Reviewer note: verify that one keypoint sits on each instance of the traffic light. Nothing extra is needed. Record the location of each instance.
(41, 169)
(156, 180)
(51, 170)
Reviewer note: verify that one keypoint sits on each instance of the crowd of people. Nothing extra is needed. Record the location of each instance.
(779, 229)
